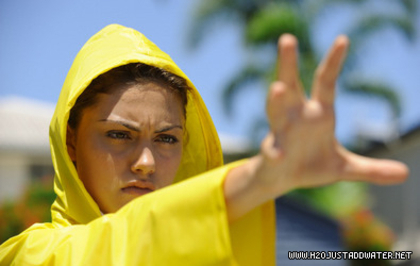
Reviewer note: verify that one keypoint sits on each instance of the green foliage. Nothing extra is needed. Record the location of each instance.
(33, 207)
(337, 200)
(207, 12)
(410, 6)
(273, 20)
(247, 75)
(378, 90)
(10, 222)
(263, 21)
(376, 22)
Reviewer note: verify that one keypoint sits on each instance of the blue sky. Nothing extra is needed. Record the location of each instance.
(39, 40)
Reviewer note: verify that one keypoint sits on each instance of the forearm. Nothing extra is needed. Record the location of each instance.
(245, 188)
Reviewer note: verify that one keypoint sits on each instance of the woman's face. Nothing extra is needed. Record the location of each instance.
(128, 144)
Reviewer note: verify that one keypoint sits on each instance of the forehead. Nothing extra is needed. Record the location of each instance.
(147, 93)
(140, 100)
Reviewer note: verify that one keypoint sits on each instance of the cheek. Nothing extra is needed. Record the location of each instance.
(95, 165)
(169, 166)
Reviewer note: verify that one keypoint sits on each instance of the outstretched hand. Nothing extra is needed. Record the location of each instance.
(301, 149)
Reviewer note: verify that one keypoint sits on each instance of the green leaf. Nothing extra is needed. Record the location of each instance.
(248, 74)
(336, 200)
(373, 23)
(272, 21)
(206, 13)
(376, 89)
(410, 6)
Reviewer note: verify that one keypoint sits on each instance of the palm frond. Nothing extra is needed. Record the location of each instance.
(273, 20)
(373, 23)
(205, 14)
(248, 74)
(209, 12)
(368, 25)
(313, 8)
(410, 6)
(378, 90)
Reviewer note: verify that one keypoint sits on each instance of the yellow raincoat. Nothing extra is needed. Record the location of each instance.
(183, 224)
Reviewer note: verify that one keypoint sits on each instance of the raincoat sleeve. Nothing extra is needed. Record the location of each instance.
(184, 224)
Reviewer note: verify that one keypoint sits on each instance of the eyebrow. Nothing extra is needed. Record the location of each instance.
(168, 128)
(137, 129)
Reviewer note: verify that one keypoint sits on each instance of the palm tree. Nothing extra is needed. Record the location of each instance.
(263, 21)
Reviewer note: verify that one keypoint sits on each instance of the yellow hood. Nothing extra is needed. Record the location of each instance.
(113, 46)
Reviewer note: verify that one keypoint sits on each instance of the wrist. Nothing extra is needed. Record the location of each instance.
(271, 178)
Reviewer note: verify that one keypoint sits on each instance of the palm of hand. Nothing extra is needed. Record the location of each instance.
(301, 144)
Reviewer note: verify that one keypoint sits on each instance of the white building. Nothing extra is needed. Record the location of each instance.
(24, 145)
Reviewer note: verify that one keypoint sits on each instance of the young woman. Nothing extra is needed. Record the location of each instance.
(130, 126)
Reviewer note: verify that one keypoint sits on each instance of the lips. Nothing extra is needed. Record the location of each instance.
(138, 188)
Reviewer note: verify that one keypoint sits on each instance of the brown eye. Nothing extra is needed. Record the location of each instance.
(118, 135)
(167, 139)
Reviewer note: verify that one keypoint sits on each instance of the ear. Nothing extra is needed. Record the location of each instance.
(71, 143)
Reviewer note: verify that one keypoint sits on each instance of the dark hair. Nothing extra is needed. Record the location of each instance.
(130, 74)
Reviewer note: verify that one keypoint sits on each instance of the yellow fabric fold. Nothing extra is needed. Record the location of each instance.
(183, 224)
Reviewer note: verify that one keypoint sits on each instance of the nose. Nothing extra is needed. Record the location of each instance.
(145, 163)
